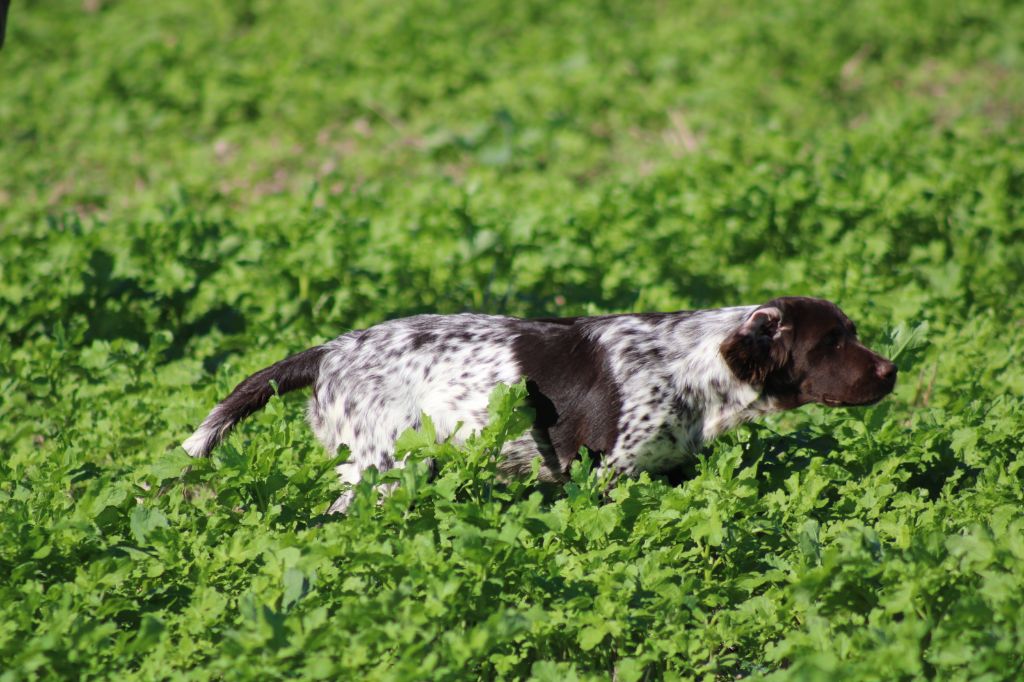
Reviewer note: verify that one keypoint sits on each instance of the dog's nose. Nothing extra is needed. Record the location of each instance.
(886, 370)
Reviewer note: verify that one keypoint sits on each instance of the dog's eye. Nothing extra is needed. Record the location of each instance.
(834, 340)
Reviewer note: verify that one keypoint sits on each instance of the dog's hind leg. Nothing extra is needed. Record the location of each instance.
(351, 472)
(348, 472)
(371, 440)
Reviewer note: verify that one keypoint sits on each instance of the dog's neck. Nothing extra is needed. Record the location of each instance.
(716, 398)
(671, 368)
(702, 380)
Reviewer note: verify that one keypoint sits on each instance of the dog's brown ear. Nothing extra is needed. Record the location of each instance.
(758, 346)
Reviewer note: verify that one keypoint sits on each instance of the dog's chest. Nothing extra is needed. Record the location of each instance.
(668, 433)
(657, 435)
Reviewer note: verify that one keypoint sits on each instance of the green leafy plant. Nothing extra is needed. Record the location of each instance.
(192, 191)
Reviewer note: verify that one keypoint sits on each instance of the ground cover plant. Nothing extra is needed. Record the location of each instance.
(192, 190)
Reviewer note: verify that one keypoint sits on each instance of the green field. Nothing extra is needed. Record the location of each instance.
(190, 191)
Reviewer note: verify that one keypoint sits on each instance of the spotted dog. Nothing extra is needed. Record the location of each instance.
(640, 391)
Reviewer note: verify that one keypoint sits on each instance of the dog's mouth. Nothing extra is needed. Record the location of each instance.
(857, 398)
(836, 402)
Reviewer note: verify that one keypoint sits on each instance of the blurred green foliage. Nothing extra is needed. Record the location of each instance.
(190, 191)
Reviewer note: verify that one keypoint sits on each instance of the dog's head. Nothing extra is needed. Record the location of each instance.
(805, 350)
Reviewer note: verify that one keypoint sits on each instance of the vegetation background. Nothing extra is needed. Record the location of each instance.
(192, 190)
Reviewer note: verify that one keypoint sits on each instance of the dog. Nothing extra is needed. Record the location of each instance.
(642, 392)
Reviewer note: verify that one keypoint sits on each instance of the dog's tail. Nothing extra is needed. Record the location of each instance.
(298, 371)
